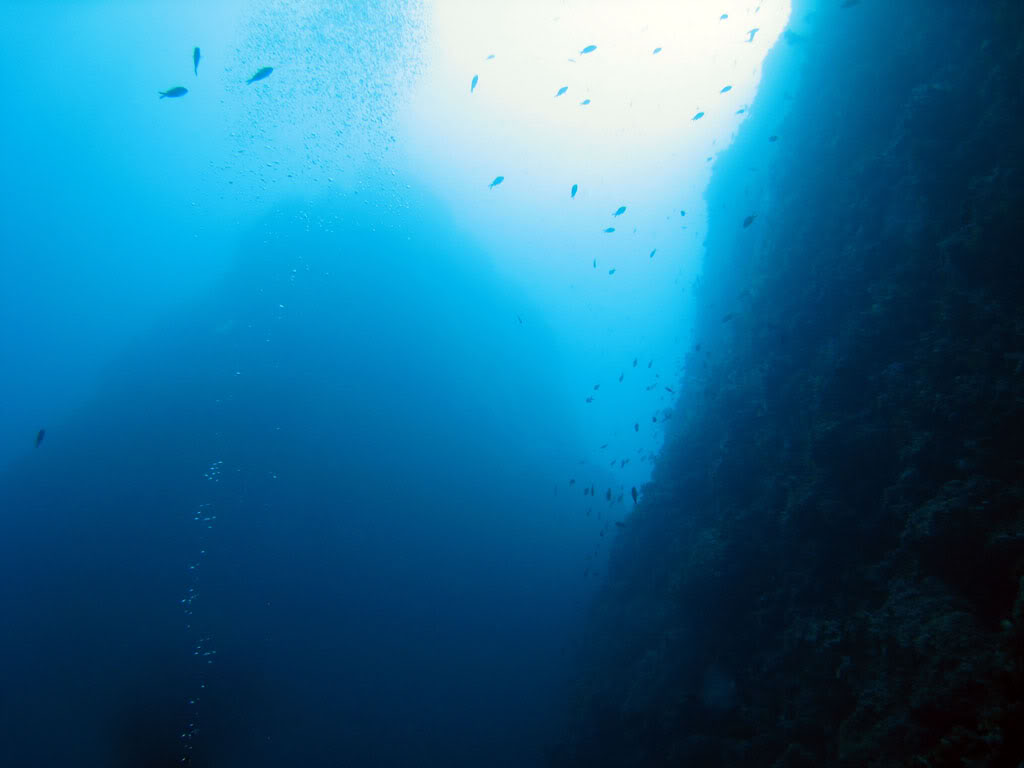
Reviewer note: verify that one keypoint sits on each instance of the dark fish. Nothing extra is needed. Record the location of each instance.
(634, 362)
(620, 211)
(623, 463)
(773, 138)
(496, 182)
(727, 317)
(473, 82)
(608, 494)
(604, 446)
(611, 271)
(592, 490)
(657, 50)
(261, 74)
(752, 32)
(586, 491)
(620, 377)
(726, 89)
(636, 427)
(520, 319)
(619, 525)
(698, 116)
(574, 190)
(682, 213)
(633, 492)
(653, 252)
(562, 90)
(597, 387)
(650, 363)
(595, 263)
(195, 60)
(39, 436)
(584, 102)
(670, 390)
(654, 419)
(590, 398)
(749, 220)
(589, 49)
(572, 481)
(609, 230)
(174, 93)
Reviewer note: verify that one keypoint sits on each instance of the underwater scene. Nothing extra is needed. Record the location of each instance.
(549, 383)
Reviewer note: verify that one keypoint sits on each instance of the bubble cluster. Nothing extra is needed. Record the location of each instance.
(203, 652)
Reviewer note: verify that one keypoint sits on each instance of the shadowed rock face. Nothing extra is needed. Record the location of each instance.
(828, 569)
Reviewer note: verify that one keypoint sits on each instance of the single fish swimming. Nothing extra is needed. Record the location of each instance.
(698, 116)
(39, 436)
(749, 220)
(562, 90)
(652, 253)
(611, 271)
(726, 89)
(490, 56)
(496, 182)
(622, 210)
(174, 93)
(473, 82)
(589, 49)
(633, 492)
(195, 60)
(657, 50)
(572, 192)
(608, 230)
(261, 74)
(584, 102)
(752, 32)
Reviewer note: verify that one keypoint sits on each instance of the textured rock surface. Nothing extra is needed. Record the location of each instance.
(828, 566)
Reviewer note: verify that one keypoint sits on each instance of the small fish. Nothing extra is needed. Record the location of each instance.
(654, 419)
(473, 82)
(698, 116)
(520, 319)
(195, 60)
(595, 263)
(604, 446)
(728, 316)
(652, 253)
(749, 220)
(597, 387)
(620, 524)
(496, 182)
(636, 427)
(608, 494)
(620, 211)
(650, 363)
(634, 494)
(657, 51)
(39, 436)
(670, 390)
(726, 89)
(723, 17)
(682, 213)
(574, 190)
(592, 490)
(586, 491)
(261, 74)
(611, 271)
(621, 375)
(174, 93)
(584, 102)
(589, 49)
(490, 56)
(752, 32)
(590, 398)
(634, 362)
(740, 111)
(572, 481)
(623, 463)
(562, 90)
(773, 138)
(608, 230)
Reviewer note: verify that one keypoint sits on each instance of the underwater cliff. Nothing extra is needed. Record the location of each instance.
(827, 567)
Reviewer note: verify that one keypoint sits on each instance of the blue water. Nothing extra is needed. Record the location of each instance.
(309, 491)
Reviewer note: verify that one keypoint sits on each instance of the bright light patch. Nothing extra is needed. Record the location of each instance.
(584, 107)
